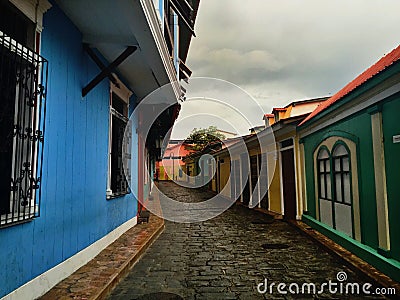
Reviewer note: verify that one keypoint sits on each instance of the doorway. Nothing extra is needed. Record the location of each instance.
(263, 180)
(254, 179)
(288, 183)
(244, 159)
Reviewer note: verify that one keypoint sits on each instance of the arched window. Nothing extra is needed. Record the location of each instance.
(324, 187)
(334, 187)
(341, 165)
(324, 175)
(342, 189)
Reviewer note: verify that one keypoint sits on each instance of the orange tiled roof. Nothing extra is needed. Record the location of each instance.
(378, 67)
(268, 116)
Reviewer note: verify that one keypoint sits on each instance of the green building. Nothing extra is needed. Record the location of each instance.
(351, 150)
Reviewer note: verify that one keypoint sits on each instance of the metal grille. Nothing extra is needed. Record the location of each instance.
(23, 83)
(119, 153)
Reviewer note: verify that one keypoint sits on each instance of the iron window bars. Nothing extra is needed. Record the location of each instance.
(23, 86)
(120, 155)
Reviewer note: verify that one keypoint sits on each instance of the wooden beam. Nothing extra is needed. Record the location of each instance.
(106, 72)
(99, 63)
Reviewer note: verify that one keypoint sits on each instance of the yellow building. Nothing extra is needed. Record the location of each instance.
(285, 192)
(238, 170)
(267, 171)
(263, 169)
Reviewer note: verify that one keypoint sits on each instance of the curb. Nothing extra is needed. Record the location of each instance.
(127, 266)
(96, 279)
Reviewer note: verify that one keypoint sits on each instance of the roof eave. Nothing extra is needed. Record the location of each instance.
(138, 25)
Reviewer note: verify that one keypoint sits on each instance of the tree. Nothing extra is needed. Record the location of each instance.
(200, 138)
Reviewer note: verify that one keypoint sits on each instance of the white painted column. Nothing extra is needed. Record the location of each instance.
(296, 162)
(258, 185)
(302, 180)
(108, 190)
(380, 181)
(279, 155)
(250, 185)
(176, 44)
(240, 179)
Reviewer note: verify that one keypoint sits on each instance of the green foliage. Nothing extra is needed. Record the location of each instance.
(201, 137)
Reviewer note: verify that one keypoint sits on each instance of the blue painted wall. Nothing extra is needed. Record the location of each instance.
(74, 209)
(161, 8)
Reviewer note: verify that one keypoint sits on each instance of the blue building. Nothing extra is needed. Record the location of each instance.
(71, 73)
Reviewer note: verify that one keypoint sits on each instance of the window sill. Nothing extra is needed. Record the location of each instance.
(8, 220)
(114, 196)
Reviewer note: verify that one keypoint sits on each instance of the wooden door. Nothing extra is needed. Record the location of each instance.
(254, 178)
(263, 180)
(244, 160)
(289, 186)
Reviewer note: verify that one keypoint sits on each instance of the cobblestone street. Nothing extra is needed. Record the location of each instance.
(224, 258)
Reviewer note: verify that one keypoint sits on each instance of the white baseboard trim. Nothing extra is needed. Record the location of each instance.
(44, 282)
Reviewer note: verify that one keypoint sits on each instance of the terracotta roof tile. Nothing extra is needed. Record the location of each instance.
(378, 67)
(268, 116)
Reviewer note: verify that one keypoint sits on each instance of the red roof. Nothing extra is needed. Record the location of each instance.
(279, 109)
(378, 67)
(268, 116)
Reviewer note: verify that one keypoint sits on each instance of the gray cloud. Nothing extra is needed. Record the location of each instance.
(281, 51)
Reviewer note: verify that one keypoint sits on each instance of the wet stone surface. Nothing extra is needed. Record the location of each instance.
(224, 258)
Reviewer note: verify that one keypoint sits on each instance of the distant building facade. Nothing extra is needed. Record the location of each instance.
(170, 166)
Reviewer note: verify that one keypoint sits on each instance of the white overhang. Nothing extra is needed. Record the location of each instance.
(112, 26)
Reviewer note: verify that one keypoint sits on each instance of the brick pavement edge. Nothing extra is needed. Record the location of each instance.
(98, 277)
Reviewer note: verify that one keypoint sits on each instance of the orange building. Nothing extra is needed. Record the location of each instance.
(171, 164)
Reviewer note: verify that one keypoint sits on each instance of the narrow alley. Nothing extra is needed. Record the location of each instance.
(190, 149)
(225, 258)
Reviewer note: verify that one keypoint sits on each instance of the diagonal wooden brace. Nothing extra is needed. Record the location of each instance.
(106, 71)
(99, 63)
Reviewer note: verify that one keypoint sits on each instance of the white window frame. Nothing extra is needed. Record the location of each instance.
(333, 200)
(124, 94)
(33, 10)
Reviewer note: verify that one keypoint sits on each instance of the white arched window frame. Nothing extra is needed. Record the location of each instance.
(341, 171)
(324, 175)
(334, 186)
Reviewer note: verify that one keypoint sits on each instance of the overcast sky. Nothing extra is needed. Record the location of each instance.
(286, 50)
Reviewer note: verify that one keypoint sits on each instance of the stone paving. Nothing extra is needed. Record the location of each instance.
(224, 258)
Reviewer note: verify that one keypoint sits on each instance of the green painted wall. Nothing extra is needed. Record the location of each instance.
(386, 265)
(391, 127)
(357, 128)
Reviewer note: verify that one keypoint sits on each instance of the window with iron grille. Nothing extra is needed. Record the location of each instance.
(119, 156)
(23, 76)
